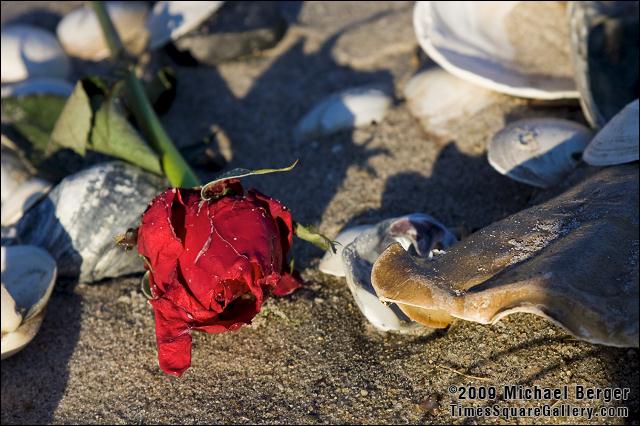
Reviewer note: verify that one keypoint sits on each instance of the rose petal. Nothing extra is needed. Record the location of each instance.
(288, 284)
(172, 336)
(281, 215)
(157, 240)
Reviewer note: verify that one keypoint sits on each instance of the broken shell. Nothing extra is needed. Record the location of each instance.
(28, 276)
(351, 108)
(78, 220)
(30, 52)
(438, 98)
(418, 233)
(80, 34)
(604, 50)
(498, 45)
(617, 142)
(38, 86)
(331, 263)
(169, 20)
(238, 29)
(20, 189)
(542, 260)
(538, 151)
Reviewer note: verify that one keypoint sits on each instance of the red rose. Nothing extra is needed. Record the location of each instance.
(212, 263)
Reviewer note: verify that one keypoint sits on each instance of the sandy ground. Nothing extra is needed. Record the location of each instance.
(311, 357)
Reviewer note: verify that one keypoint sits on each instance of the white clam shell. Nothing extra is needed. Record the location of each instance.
(331, 263)
(38, 86)
(14, 171)
(28, 275)
(538, 151)
(30, 52)
(617, 142)
(356, 107)
(169, 20)
(80, 34)
(23, 198)
(11, 316)
(20, 189)
(501, 46)
(437, 98)
(418, 233)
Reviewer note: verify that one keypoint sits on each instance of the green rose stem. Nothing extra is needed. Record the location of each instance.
(175, 167)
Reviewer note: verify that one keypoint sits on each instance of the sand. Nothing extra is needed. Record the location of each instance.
(311, 357)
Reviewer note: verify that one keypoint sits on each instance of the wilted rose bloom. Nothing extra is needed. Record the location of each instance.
(212, 263)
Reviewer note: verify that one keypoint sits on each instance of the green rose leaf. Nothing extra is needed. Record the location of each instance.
(237, 174)
(73, 127)
(113, 135)
(32, 118)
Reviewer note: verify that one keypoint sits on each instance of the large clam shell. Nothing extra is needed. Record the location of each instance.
(28, 276)
(79, 219)
(572, 260)
(418, 233)
(617, 142)
(355, 107)
(605, 55)
(169, 20)
(31, 52)
(80, 34)
(538, 151)
(516, 47)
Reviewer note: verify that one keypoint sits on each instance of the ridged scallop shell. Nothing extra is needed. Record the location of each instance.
(617, 142)
(538, 151)
(514, 47)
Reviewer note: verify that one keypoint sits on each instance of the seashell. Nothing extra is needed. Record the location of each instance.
(538, 151)
(438, 98)
(14, 171)
(617, 142)
(80, 34)
(29, 52)
(238, 29)
(420, 234)
(38, 86)
(78, 220)
(20, 189)
(500, 45)
(604, 51)
(28, 276)
(572, 260)
(331, 263)
(351, 108)
(169, 20)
